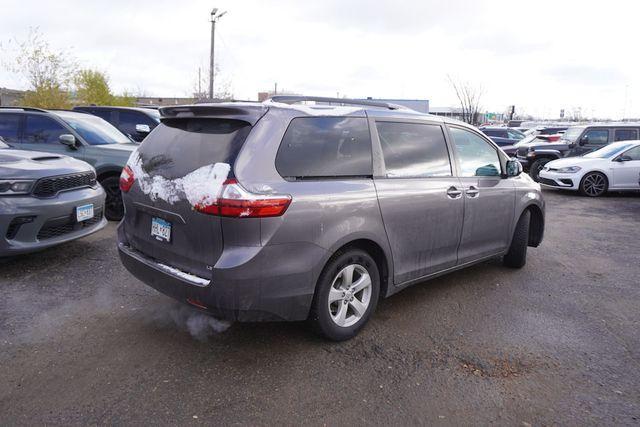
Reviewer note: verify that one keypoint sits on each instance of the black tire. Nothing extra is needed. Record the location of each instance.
(516, 257)
(594, 184)
(536, 167)
(113, 207)
(321, 309)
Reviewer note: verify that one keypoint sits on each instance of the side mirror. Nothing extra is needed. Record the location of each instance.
(143, 128)
(514, 167)
(624, 158)
(68, 140)
(584, 140)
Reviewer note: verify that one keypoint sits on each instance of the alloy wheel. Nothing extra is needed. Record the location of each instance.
(349, 295)
(594, 185)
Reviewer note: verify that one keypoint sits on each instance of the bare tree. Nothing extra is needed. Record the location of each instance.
(48, 72)
(469, 97)
(223, 89)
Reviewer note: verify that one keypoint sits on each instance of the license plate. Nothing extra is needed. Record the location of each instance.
(161, 229)
(84, 212)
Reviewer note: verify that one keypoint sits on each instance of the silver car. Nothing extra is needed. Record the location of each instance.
(46, 199)
(289, 211)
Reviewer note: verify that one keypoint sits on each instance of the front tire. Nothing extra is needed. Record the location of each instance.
(346, 295)
(536, 168)
(113, 207)
(516, 257)
(594, 184)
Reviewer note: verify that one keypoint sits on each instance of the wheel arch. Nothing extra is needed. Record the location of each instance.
(107, 172)
(536, 225)
(381, 256)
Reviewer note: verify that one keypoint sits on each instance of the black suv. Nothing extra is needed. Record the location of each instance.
(134, 122)
(576, 141)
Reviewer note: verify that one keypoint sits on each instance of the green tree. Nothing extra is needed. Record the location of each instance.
(92, 87)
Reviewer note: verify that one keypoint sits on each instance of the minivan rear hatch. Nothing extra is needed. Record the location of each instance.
(184, 160)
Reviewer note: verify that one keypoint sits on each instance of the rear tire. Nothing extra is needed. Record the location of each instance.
(536, 168)
(113, 206)
(346, 295)
(594, 184)
(516, 257)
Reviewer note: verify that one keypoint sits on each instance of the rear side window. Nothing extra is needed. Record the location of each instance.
(180, 146)
(413, 150)
(325, 147)
(625, 135)
(9, 124)
(42, 130)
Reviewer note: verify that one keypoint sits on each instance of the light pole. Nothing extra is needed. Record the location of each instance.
(215, 16)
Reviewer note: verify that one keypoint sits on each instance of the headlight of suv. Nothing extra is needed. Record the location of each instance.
(569, 169)
(10, 187)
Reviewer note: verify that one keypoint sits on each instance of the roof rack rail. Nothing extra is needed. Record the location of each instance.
(7, 107)
(292, 99)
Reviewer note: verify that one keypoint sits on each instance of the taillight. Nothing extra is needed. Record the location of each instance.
(126, 179)
(236, 202)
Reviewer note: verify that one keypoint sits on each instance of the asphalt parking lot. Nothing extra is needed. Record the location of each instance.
(557, 342)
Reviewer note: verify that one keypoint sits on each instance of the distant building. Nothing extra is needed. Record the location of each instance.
(143, 101)
(10, 97)
(419, 105)
(451, 112)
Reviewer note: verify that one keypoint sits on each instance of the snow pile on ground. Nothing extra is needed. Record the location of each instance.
(202, 186)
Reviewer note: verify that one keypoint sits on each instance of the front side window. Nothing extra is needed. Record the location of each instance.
(9, 124)
(634, 153)
(625, 135)
(325, 147)
(129, 119)
(42, 130)
(476, 156)
(596, 137)
(413, 150)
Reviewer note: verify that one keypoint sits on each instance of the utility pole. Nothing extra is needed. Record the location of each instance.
(215, 16)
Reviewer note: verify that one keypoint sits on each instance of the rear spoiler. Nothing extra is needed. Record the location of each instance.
(247, 113)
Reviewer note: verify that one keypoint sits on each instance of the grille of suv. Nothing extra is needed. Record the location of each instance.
(57, 227)
(48, 187)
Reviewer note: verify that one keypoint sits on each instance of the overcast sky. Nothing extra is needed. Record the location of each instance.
(539, 55)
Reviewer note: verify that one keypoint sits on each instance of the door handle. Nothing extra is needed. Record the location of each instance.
(472, 191)
(454, 193)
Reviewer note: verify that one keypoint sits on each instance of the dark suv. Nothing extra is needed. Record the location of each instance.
(74, 134)
(137, 123)
(266, 211)
(576, 141)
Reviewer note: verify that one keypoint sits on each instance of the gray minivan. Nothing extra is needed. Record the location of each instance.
(284, 211)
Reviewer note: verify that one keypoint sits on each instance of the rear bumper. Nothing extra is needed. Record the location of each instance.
(29, 224)
(268, 283)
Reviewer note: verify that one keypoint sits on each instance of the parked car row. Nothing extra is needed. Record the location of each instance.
(576, 141)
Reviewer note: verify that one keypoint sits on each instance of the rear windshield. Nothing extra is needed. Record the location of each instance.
(179, 146)
(325, 147)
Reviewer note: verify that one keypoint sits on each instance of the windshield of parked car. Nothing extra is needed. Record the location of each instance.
(572, 134)
(527, 139)
(608, 151)
(95, 130)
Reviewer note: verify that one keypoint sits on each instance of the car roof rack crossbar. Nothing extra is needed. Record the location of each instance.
(8, 107)
(292, 99)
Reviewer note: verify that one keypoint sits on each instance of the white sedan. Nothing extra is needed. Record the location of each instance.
(615, 167)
